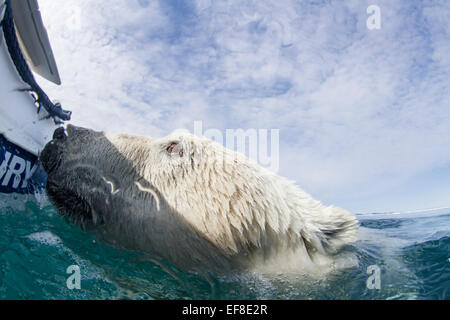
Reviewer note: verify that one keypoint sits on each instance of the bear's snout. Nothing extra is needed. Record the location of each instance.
(50, 156)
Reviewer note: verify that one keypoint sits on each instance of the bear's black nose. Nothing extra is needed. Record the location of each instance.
(59, 134)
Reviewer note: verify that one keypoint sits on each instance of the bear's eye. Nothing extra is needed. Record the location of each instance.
(175, 148)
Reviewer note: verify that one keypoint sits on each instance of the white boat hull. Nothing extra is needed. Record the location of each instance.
(23, 132)
(19, 120)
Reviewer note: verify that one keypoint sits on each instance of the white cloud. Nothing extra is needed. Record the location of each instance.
(361, 113)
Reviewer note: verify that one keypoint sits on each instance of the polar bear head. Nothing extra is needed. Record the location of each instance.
(187, 199)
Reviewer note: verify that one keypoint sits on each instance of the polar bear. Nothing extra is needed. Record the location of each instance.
(191, 202)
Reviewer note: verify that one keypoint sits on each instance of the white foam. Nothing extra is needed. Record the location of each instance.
(48, 238)
(45, 237)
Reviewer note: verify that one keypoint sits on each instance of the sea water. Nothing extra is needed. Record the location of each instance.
(399, 256)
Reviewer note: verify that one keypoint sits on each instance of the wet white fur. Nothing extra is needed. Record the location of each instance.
(254, 218)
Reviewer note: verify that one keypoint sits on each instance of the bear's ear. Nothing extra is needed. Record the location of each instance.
(175, 148)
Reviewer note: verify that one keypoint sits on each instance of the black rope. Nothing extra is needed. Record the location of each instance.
(41, 99)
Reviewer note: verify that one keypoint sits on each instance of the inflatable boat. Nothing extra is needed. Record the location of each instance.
(28, 117)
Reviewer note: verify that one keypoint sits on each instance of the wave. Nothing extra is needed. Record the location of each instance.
(405, 214)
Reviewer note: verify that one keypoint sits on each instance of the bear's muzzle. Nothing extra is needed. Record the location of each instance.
(50, 156)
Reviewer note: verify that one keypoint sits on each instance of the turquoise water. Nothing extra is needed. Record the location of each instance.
(412, 252)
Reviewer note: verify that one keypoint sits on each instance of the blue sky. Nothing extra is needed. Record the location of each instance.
(364, 115)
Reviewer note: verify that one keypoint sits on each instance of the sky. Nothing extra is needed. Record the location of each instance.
(363, 114)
